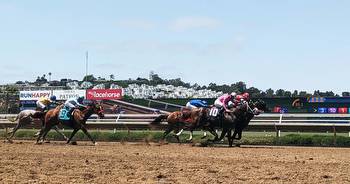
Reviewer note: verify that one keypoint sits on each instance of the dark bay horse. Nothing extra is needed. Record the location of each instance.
(77, 122)
(180, 120)
(236, 120)
(255, 108)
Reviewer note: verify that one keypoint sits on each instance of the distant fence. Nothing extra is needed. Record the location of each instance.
(335, 123)
(164, 105)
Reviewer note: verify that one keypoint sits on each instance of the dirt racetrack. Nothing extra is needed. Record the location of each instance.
(24, 162)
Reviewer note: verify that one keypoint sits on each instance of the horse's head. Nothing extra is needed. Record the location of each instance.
(97, 108)
(259, 106)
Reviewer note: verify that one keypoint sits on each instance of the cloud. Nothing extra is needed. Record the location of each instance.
(188, 23)
(136, 24)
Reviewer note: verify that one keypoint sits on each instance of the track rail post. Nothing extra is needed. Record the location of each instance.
(335, 136)
(279, 122)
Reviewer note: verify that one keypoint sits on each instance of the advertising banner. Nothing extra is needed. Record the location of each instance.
(342, 110)
(322, 110)
(33, 95)
(103, 94)
(66, 94)
(332, 110)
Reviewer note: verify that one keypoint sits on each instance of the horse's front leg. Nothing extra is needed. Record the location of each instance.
(204, 134)
(223, 133)
(180, 132)
(230, 139)
(191, 135)
(213, 132)
(88, 134)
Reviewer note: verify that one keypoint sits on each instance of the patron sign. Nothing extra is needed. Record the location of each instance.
(103, 94)
(66, 94)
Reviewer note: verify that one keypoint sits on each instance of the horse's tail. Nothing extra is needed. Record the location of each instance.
(159, 119)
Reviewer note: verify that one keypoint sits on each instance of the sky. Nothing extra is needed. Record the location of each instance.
(278, 44)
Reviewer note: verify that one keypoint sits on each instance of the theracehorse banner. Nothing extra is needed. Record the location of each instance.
(103, 94)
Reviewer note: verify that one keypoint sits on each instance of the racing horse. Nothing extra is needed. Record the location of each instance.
(26, 117)
(76, 122)
(242, 122)
(236, 119)
(180, 120)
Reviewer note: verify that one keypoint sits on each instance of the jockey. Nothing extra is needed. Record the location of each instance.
(222, 101)
(196, 103)
(44, 102)
(74, 103)
(241, 99)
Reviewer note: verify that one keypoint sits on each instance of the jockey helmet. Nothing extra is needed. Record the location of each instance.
(53, 98)
(246, 96)
(233, 94)
(230, 104)
(80, 99)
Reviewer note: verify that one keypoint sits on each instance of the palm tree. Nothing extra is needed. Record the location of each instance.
(50, 76)
(111, 77)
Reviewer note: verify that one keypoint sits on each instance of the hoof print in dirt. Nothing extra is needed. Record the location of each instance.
(74, 143)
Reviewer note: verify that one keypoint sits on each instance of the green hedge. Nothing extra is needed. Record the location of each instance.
(155, 136)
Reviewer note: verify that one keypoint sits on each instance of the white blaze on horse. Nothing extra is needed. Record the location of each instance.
(26, 117)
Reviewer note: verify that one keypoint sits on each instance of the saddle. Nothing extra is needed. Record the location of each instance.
(65, 114)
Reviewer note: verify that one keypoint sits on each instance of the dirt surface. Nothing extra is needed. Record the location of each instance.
(24, 162)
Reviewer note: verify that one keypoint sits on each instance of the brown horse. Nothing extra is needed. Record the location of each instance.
(181, 120)
(26, 117)
(77, 122)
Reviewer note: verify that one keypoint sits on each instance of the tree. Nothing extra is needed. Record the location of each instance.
(50, 76)
(288, 94)
(270, 93)
(280, 93)
(19, 82)
(156, 80)
(89, 78)
(345, 93)
(304, 94)
(295, 93)
(111, 77)
(254, 92)
(239, 87)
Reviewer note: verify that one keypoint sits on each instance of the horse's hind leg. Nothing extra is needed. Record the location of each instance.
(13, 131)
(167, 131)
(40, 135)
(72, 135)
(59, 132)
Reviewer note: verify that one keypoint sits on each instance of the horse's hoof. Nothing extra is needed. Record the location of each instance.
(238, 145)
(95, 144)
(74, 143)
(38, 143)
(47, 141)
(8, 141)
